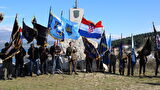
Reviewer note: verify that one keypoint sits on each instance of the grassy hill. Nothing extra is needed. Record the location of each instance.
(139, 40)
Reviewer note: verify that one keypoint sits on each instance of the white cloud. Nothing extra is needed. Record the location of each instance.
(1, 7)
(113, 36)
(6, 28)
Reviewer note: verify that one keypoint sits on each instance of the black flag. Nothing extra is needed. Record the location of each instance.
(29, 33)
(147, 48)
(15, 42)
(90, 50)
(42, 33)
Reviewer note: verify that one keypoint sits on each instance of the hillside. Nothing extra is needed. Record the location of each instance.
(139, 40)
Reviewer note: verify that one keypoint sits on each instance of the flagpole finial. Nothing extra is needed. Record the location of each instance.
(76, 4)
(61, 13)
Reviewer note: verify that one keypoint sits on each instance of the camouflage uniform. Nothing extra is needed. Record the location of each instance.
(72, 57)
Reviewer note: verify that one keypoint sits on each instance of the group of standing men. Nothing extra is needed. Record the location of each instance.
(38, 60)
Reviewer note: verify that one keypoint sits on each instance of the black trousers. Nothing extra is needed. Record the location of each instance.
(112, 67)
(157, 66)
(131, 69)
(89, 65)
(142, 65)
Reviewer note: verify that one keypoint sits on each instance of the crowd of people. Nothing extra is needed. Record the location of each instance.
(39, 61)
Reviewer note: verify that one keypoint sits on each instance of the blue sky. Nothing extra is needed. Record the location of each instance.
(118, 16)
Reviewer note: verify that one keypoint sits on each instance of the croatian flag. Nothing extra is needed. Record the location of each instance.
(90, 30)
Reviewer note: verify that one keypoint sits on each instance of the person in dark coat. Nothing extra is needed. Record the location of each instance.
(43, 51)
(7, 63)
(142, 63)
(55, 51)
(19, 62)
(157, 59)
(72, 57)
(33, 53)
(122, 62)
(112, 65)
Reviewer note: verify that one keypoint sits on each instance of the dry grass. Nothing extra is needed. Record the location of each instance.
(83, 81)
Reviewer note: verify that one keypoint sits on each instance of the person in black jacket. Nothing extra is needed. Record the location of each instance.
(19, 62)
(33, 53)
(7, 63)
(55, 51)
(157, 58)
(43, 52)
(142, 62)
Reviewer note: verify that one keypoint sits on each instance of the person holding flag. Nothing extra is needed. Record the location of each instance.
(157, 49)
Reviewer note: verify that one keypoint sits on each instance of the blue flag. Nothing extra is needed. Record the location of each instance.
(70, 29)
(110, 43)
(133, 52)
(103, 49)
(55, 27)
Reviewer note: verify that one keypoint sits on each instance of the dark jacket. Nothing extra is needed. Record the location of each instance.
(5, 56)
(55, 50)
(43, 52)
(71, 51)
(33, 53)
(20, 55)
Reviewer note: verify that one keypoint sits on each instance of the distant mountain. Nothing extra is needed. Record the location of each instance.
(4, 35)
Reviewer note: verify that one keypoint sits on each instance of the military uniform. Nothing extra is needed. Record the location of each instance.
(157, 58)
(44, 59)
(122, 63)
(112, 65)
(72, 57)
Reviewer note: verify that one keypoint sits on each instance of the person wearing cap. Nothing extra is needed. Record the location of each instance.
(43, 52)
(72, 57)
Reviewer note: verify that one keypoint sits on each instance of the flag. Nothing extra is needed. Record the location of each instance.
(55, 27)
(28, 33)
(133, 55)
(90, 50)
(147, 48)
(110, 43)
(90, 30)
(121, 52)
(70, 29)
(42, 34)
(103, 49)
(15, 42)
(157, 38)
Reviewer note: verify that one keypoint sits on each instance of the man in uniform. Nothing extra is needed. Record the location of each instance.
(44, 59)
(7, 63)
(33, 53)
(112, 65)
(72, 57)
(157, 58)
(122, 62)
(19, 62)
(55, 51)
